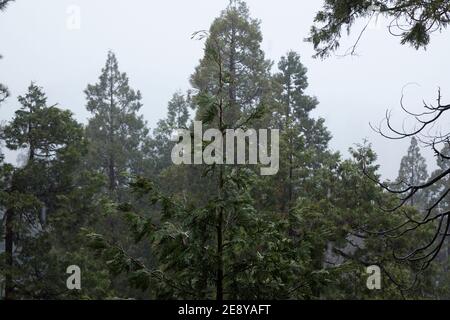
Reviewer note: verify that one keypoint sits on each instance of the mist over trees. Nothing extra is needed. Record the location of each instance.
(414, 22)
(107, 197)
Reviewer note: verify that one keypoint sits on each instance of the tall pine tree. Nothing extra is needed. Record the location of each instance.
(116, 132)
(245, 67)
(54, 144)
(304, 139)
(177, 118)
(413, 172)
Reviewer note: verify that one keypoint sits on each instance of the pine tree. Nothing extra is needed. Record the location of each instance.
(216, 238)
(304, 139)
(245, 68)
(441, 187)
(116, 132)
(232, 81)
(54, 145)
(177, 118)
(355, 213)
(439, 194)
(413, 172)
(208, 246)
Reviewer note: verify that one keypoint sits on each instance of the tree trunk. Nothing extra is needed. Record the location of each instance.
(111, 164)
(233, 113)
(220, 213)
(219, 285)
(291, 156)
(9, 247)
(219, 294)
(112, 174)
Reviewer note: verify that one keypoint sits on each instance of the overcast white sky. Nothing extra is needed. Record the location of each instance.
(153, 45)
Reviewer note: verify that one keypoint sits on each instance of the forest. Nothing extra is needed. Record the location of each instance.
(106, 199)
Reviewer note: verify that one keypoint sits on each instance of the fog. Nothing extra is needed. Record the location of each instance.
(152, 40)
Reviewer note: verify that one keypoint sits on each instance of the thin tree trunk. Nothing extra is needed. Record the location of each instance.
(219, 294)
(112, 174)
(219, 285)
(220, 213)
(32, 148)
(291, 175)
(233, 112)
(9, 246)
(291, 157)
(111, 164)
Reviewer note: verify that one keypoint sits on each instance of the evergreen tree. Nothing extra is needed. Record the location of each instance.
(245, 68)
(116, 133)
(215, 231)
(439, 189)
(414, 22)
(211, 233)
(364, 234)
(439, 194)
(177, 118)
(54, 145)
(413, 172)
(304, 139)
(214, 246)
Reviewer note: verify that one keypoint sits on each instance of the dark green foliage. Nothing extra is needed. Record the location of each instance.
(45, 202)
(47, 132)
(116, 133)
(413, 172)
(108, 198)
(244, 67)
(177, 118)
(224, 232)
(304, 140)
(415, 21)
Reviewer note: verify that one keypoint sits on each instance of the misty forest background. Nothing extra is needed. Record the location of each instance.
(106, 197)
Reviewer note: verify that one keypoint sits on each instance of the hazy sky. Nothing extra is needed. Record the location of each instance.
(152, 40)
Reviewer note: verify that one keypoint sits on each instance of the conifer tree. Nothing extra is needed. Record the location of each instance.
(304, 139)
(413, 172)
(177, 118)
(116, 133)
(245, 67)
(54, 144)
